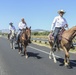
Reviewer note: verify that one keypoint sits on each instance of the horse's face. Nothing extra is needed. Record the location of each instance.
(12, 34)
(28, 32)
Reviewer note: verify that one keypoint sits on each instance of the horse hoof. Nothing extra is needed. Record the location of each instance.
(55, 61)
(26, 56)
(50, 57)
(19, 52)
(66, 64)
(13, 48)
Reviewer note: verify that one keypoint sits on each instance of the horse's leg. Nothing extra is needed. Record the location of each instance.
(52, 55)
(66, 60)
(13, 44)
(25, 53)
(19, 48)
(54, 58)
(10, 41)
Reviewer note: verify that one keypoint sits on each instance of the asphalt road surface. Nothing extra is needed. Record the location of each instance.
(38, 62)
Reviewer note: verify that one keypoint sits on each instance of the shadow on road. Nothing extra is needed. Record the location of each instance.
(16, 47)
(31, 54)
(72, 62)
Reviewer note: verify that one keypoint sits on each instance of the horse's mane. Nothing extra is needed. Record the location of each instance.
(70, 29)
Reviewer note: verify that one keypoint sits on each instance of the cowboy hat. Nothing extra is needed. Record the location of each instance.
(22, 19)
(61, 11)
(10, 23)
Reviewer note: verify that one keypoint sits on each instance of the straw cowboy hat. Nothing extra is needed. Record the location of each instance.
(22, 19)
(61, 11)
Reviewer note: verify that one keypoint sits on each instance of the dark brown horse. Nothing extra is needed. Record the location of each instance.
(24, 40)
(65, 44)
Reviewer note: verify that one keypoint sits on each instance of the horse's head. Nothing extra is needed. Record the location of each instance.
(27, 31)
(74, 28)
(12, 33)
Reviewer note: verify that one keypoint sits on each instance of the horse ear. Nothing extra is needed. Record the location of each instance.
(26, 27)
(30, 27)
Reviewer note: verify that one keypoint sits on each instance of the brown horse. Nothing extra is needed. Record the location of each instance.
(65, 44)
(24, 40)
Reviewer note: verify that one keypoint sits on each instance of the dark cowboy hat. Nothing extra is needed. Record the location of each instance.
(61, 11)
(10, 23)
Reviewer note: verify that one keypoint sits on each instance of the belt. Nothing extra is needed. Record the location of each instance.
(58, 27)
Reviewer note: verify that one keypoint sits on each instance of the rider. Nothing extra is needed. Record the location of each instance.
(11, 27)
(22, 25)
(59, 22)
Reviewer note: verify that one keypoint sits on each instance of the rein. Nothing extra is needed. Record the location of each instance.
(66, 39)
(69, 40)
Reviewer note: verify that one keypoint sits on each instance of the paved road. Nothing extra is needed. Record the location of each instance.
(38, 63)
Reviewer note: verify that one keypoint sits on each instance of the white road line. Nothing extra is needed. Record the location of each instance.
(47, 53)
(43, 51)
(39, 50)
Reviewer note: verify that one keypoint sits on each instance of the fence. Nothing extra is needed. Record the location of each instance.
(45, 41)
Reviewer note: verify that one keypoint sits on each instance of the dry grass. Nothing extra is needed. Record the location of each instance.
(41, 37)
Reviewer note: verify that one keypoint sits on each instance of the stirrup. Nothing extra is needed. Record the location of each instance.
(72, 46)
(54, 49)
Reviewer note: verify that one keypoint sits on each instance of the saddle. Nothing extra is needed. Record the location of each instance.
(60, 34)
(20, 35)
(51, 35)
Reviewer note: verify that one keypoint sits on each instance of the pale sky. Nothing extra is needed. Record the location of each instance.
(38, 14)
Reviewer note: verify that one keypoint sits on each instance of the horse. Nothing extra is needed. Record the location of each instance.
(65, 44)
(12, 38)
(24, 40)
(8, 36)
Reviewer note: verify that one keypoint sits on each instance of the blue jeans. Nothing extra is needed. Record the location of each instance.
(56, 31)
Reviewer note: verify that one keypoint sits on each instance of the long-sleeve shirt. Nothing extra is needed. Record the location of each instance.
(22, 25)
(12, 28)
(58, 22)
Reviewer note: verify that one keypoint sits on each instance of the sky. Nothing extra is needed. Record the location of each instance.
(38, 14)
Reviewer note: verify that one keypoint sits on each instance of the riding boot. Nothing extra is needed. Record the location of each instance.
(58, 45)
(54, 47)
(55, 44)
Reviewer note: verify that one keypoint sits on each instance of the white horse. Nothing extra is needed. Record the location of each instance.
(12, 39)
